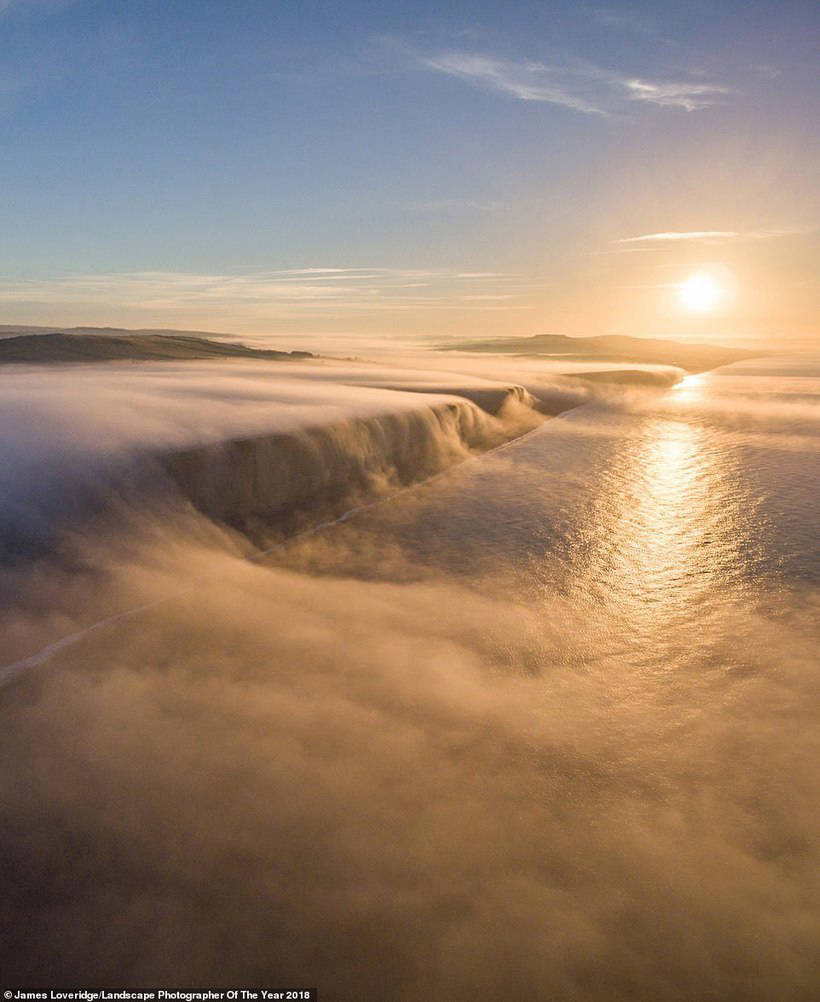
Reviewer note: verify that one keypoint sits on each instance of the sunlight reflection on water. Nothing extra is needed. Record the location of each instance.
(673, 535)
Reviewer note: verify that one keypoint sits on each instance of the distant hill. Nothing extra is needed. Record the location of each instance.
(611, 348)
(13, 330)
(60, 346)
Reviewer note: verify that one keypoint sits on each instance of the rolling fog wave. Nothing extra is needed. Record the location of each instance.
(546, 728)
(405, 791)
(259, 449)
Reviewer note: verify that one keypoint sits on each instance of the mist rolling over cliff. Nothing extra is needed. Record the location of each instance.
(542, 725)
(244, 442)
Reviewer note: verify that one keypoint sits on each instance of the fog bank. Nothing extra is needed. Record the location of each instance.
(261, 447)
(404, 791)
(543, 728)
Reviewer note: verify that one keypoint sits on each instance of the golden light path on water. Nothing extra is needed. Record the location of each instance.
(660, 548)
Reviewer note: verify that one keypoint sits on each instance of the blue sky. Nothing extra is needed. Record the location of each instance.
(397, 168)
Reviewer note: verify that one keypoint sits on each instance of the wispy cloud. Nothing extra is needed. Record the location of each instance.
(690, 96)
(710, 236)
(680, 235)
(526, 81)
(293, 291)
(572, 83)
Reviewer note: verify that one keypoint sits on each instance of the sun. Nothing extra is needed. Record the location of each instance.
(700, 293)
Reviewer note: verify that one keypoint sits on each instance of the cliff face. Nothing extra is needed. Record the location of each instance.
(271, 483)
(263, 484)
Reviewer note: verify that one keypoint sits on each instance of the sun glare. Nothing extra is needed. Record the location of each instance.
(700, 293)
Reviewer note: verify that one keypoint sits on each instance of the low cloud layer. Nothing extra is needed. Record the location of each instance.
(404, 791)
(245, 442)
(387, 783)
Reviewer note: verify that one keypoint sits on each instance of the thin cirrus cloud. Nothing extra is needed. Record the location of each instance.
(690, 96)
(708, 236)
(575, 85)
(293, 289)
(526, 81)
